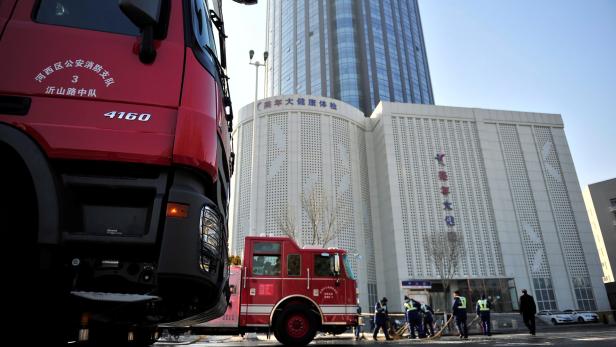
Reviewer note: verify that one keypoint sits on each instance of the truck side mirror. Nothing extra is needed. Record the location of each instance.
(145, 14)
(337, 264)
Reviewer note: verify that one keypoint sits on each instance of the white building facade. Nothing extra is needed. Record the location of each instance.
(513, 194)
(600, 200)
(305, 145)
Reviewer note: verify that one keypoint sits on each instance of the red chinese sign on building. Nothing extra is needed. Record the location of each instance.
(444, 178)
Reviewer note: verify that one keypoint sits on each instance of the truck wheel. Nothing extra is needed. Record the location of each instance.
(296, 326)
(554, 321)
(106, 334)
(580, 320)
(144, 336)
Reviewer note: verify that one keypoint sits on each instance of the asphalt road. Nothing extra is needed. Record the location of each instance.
(595, 336)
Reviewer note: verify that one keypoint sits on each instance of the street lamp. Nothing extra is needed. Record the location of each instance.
(253, 188)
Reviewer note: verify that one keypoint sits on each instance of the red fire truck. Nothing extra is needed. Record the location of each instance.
(115, 160)
(291, 291)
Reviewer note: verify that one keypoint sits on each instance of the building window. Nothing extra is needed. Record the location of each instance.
(372, 296)
(584, 294)
(544, 294)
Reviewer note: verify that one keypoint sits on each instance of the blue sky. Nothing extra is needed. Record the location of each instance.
(553, 56)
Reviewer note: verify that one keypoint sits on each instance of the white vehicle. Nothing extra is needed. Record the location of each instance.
(583, 316)
(555, 317)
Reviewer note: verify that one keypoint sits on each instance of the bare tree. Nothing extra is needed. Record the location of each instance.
(322, 218)
(446, 250)
(288, 225)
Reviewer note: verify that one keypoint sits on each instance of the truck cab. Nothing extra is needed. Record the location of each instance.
(116, 159)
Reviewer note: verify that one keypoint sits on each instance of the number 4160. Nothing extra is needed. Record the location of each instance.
(143, 117)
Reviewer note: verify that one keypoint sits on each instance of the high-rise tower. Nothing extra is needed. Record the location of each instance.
(357, 51)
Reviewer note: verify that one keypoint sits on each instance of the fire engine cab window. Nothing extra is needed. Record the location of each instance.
(266, 265)
(202, 26)
(86, 14)
(266, 259)
(266, 247)
(324, 266)
(293, 265)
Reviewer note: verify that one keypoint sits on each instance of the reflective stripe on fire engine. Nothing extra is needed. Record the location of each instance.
(290, 278)
(326, 309)
(257, 309)
(338, 309)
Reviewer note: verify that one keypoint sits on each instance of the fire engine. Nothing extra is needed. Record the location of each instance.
(115, 163)
(293, 292)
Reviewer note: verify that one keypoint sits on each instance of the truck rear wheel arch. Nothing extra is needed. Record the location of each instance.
(36, 163)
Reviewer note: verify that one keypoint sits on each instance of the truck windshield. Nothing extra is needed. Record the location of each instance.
(86, 14)
(347, 267)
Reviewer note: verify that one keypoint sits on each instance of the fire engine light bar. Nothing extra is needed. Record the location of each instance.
(177, 210)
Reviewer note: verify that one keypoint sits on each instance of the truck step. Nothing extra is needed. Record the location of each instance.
(114, 297)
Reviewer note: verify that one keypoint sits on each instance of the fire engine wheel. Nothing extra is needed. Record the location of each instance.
(296, 326)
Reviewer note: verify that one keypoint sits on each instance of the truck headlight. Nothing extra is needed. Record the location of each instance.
(209, 228)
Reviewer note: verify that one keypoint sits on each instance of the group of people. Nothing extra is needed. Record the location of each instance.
(420, 317)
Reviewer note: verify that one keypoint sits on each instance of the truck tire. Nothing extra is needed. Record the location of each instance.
(296, 325)
(104, 334)
(144, 335)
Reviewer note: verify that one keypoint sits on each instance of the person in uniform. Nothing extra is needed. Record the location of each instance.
(412, 314)
(381, 315)
(459, 311)
(483, 312)
(428, 319)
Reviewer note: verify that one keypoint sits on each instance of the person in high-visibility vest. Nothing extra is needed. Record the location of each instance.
(483, 311)
(459, 311)
(381, 316)
(413, 317)
(428, 319)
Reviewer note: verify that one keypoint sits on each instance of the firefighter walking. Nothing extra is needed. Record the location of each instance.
(413, 317)
(459, 311)
(483, 312)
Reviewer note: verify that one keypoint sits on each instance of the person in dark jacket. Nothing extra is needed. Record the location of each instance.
(528, 310)
(428, 319)
(459, 311)
(381, 315)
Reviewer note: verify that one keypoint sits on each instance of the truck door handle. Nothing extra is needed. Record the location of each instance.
(244, 277)
(308, 279)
